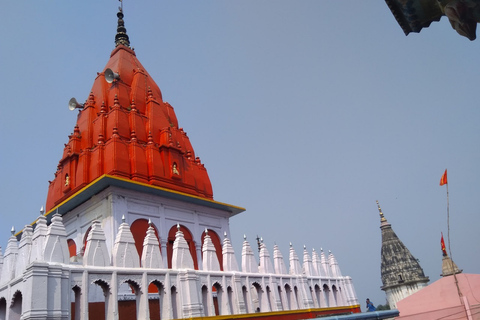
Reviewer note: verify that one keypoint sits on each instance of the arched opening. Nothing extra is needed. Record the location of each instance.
(295, 291)
(245, 299)
(16, 306)
(288, 294)
(3, 309)
(312, 294)
(205, 301)
(269, 299)
(156, 304)
(282, 302)
(230, 300)
(128, 300)
(217, 244)
(72, 248)
(191, 245)
(175, 307)
(99, 297)
(317, 296)
(139, 230)
(217, 294)
(335, 296)
(341, 298)
(326, 295)
(257, 297)
(75, 305)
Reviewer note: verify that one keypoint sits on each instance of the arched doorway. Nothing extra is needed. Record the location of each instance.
(158, 305)
(175, 303)
(99, 297)
(288, 294)
(205, 301)
(128, 300)
(217, 295)
(257, 297)
(75, 305)
(326, 295)
(335, 296)
(245, 299)
(16, 306)
(318, 295)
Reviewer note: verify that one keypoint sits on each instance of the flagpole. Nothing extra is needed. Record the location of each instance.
(460, 295)
(448, 225)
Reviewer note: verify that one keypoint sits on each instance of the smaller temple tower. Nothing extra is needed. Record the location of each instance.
(401, 272)
(448, 266)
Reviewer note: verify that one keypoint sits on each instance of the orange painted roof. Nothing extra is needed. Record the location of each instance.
(125, 129)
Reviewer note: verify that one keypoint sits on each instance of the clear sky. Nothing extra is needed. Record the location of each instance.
(304, 112)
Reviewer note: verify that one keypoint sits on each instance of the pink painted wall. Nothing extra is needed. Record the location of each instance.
(441, 300)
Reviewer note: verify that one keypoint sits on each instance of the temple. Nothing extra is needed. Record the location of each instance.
(401, 273)
(131, 229)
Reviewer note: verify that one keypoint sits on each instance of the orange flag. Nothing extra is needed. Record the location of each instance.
(442, 242)
(443, 180)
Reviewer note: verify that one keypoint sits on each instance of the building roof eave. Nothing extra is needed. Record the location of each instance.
(106, 180)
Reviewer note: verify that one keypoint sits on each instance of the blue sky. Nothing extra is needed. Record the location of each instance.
(304, 112)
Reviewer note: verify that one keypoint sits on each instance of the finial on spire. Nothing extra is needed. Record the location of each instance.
(382, 218)
(123, 218)
(225, 234)
(244, 237)
(178, 226)
(121, 37)
(13, 230)
(206, 231)
(42, 210)
(149, 222)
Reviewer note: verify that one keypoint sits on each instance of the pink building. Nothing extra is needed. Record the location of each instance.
(444, 300)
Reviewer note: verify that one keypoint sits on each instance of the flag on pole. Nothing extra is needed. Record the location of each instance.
(443, 180)
(444, 250)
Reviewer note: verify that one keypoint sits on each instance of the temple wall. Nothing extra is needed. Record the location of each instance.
(110, 205)
(54, 285)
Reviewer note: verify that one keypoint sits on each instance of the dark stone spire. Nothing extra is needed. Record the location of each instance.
(399, 268)
(121, 37)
